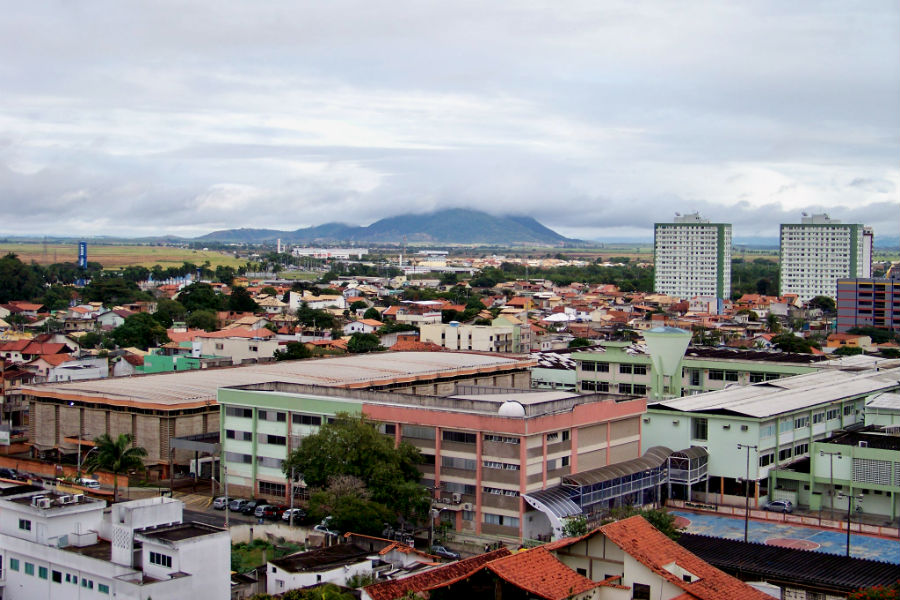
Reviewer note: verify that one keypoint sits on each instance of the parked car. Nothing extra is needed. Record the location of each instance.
(782, 506)
(299, 515)
(238, 504)
(259, 509)
(272, 511)
(220, 503)
(88, 483)
(251, 505)
(8, 473)
(444, 552)
(324, 527)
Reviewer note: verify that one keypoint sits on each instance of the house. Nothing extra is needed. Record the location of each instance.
(362, 326)
(69, 545)
(849, 340)
(633, 559)
(332, 564)
(241, 344)
(460, 336)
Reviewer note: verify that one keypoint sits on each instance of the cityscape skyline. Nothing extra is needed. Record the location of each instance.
(123, 120)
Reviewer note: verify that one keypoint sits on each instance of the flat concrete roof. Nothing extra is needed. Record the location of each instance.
(196, 388)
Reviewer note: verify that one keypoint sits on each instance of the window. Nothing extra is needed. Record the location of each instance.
(459, 488)
(306, 419)
(731, 376)
(237, 457)
(468, 515)
(848, 410)
(639, 389)
(640, 369)
(499, 491)
(24, 524)
(818, 417)
(503, 520)
(453, 462)
(493, 464)
(87, 583)
(565, 435)
(418, 432)
(800, 422)
(267, 488)
(43, 573)
(595, 386)
(57, 577)
(588, 366)
(459, 437)
(244, 436)
(235, 411)
(716, 375)
(501, 438)
(73, 579)
(784, 454)
(640, 591)
(801, 449)
(785, 425)
(272, 415)
(564, 461)
(29, 568)
(552, 438)
(766, 459)
(14, 564)
(767, 430)
(699, 428)
(102, 588)
(269, 462)
(163, 560)
(626, 369)
(220, 346)
(275, 440)
(757, 377)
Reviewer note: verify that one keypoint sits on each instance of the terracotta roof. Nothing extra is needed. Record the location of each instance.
(133, 359)
(183, 336)
(371, 322)
(38, 348)
(416, 346)
(646, 544)
(540, 573)
(389, 590)
(54, 360)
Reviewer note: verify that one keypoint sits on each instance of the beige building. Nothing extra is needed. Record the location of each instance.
(459, 336)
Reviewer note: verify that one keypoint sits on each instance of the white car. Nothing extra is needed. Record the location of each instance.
(88, 483)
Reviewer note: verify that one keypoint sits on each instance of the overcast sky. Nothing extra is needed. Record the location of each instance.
(597, 117)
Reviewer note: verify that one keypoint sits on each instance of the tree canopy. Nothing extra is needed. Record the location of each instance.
(241, 301)
(141, 330)
(198, 296)
(116, 456)
(352, 446)
(363, 342)
(293, 351)
(788, 342)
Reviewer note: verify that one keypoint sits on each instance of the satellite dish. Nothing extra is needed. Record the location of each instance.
(677, 214)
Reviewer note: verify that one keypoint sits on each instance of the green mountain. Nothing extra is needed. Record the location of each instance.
(452, 226)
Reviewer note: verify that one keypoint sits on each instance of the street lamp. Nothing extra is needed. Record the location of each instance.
(85, 456)
(850, 498)
(747, 447)
(831, 456)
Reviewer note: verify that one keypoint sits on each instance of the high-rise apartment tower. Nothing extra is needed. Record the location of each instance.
(693, 257)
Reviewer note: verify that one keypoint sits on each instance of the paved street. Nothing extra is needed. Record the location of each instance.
(811, 538)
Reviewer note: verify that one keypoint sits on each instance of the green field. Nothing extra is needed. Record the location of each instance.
(114, 256)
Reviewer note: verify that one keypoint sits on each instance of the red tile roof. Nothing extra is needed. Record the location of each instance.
(646, 544)
(541, 574)
(238, 332)
(54, 360)
(389, 590)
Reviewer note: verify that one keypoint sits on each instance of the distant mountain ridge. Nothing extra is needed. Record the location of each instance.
(453, 226)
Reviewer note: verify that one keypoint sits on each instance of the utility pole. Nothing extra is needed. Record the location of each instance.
(850, 498)
(831, 456)
(291, 492)
(747, 447)
(227, 499)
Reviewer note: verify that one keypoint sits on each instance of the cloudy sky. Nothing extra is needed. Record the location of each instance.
(596, 117)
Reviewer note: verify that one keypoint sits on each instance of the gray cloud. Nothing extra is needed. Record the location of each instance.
(146, 118)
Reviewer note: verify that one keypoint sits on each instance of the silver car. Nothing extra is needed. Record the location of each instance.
(782, 506)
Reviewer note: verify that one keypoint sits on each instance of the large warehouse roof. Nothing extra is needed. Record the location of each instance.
(786, 395)
(186, 389)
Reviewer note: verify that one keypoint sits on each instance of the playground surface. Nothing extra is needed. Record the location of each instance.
(791, 536)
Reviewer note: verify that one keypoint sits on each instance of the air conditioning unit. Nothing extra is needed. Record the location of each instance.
(863, 444)
(44, 503)
(457, 498)
(467, 506)
(35, 500)
(76, 498)
(64, 499)
(744, 427)
(445, 500)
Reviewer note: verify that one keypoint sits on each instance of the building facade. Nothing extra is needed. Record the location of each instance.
(478, 338)
(692, 258)
(818, 251)
(484, 447)
(869, 302)
(68, 546)
(776, 422)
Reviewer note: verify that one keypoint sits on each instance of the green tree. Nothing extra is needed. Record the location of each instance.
(847, 351)
(19, 281)
(788, 342)
(225, 274)
(773, 324)
(575, 526)
(658, 517)
(112, 291)
(580, 342)
(57, 297)
(372, 313)
(168, 311)
(115, 456)
(364, 342)
(293, 351)
(878, 336)
(199, 296)
(204, 319)
(321, 319)
(140, 330)
(824, 303)
(357, 304)
(269, 291)
(353, 446)
(240, 300)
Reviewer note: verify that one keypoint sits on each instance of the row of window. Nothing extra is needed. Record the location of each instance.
(163, 560)
(55, 576)
(247, 459)
(505, 521)
(273, 416)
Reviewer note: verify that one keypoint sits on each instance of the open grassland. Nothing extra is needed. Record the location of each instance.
(115, 256)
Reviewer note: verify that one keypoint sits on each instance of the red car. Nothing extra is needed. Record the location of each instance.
(274, 511)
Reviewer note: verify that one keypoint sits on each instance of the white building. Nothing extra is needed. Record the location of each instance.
(334, 564)
(67, 546)
(459, 336)
(818, 251)
(692, 258)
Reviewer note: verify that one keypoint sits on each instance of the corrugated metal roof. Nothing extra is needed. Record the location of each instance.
(558, 500)
(887, 400)
(788, 394)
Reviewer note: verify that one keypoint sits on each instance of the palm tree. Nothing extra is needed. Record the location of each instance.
(116, 456)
